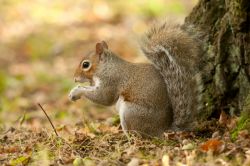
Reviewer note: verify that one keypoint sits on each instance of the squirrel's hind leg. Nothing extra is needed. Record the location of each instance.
(144, 121)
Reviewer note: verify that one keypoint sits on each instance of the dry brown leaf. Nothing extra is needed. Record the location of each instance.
(244, 134)
(11, 149)
(231, 124)
(223, 118)
(83, 133)
(213, 145)
(105, 128)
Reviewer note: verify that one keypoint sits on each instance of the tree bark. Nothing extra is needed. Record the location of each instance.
(227, 53)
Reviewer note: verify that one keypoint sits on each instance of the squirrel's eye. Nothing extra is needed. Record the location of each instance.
(85, 65)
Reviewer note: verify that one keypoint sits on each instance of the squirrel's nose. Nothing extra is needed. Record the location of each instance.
(77, 79)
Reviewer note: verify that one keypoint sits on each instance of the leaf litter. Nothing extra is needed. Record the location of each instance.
(100, 143)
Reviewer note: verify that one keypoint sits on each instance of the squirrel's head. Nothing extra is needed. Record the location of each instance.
(89, 63)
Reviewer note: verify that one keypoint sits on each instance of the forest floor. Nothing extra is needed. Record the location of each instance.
(89, 143)
(41, 44)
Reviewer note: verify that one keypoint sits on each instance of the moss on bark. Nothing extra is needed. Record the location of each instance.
(227, 55)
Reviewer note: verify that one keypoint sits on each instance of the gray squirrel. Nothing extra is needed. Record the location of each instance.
(150, 98)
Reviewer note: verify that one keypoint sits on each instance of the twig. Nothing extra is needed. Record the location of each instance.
(48, 118)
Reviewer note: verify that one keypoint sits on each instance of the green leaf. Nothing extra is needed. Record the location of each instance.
(20, 161)
(78, 162)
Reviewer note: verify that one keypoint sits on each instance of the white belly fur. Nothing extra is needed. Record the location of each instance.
(121, 107)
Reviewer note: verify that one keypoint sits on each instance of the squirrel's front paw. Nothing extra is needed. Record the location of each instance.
(75, 94)
(73, 98)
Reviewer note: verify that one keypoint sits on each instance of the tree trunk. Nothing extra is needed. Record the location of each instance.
(227, 55)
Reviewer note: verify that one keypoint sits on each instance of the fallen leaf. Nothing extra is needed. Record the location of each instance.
(165, 160)
(231, 124)
(223, 118)
(88, 161)
(247, 161)
(11, 149)
(23, 160)
(213, 145)
(105, 129)
(133, 162)
(77, 162)
(216, 134)
(189, 146)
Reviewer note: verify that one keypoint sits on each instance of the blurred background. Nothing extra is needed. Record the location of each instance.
(41, 43)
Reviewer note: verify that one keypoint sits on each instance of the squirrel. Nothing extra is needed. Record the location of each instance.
(150, 97)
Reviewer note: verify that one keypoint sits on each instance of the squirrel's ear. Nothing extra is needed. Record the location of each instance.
(105, 45)
(100, 47)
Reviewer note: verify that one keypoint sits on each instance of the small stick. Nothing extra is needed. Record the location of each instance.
(48, 118)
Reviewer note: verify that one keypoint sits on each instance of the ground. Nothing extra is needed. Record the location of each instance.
(41, 44)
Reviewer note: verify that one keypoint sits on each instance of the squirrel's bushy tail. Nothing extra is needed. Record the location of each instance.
(175, 51)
